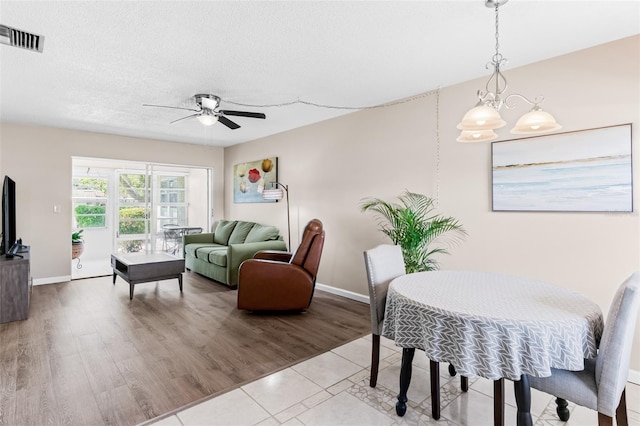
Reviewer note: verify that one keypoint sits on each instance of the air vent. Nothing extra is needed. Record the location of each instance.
(23, 39)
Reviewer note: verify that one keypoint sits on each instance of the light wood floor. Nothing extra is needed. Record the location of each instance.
(88, 355)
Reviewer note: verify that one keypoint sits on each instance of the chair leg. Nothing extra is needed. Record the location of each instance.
(621, 411)
(562, 410)
(375, 359)
(464, 383)
(604, 420)
(434, 370)
(498, 402)
(452, 370)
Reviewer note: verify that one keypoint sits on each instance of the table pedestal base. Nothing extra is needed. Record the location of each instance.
(562, 410)
(523, 401)
(405, 380)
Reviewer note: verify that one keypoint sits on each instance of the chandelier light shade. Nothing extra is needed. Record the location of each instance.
(535, 121)
(477, 136)
(478, 123)
(481, 117)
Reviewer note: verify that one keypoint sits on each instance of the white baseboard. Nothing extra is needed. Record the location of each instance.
(634, 377)
(51, 280)
(344, 293)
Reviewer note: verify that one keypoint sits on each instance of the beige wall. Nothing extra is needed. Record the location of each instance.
(330, 166)
(39, 160)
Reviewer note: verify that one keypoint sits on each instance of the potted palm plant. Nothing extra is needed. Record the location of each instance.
(77, 244)
(413, 225)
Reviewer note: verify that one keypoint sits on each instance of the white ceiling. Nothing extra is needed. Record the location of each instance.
(102, 60)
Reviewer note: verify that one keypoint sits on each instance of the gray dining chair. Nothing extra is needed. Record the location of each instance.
(601, 385)
(383, 263)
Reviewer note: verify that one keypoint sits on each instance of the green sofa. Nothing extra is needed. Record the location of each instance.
(218, 255)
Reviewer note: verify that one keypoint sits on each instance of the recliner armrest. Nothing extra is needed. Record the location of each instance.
(278, 256)
(265, 285)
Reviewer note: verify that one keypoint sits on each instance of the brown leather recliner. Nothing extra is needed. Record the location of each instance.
(280, 281)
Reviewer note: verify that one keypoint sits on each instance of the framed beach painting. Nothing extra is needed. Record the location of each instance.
(582, 171)
(249, 179)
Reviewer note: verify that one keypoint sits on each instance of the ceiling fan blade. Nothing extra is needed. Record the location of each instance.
(244, 114)
(172, 107)
(184, 118)
(230, 124)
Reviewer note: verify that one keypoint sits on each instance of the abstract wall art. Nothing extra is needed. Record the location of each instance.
(249, 179)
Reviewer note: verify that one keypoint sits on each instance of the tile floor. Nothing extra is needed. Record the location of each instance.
(333, 389)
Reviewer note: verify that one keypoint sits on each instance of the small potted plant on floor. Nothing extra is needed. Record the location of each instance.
(77, 244)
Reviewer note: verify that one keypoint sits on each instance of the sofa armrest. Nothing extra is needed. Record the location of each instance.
(203, 238)
(238, 253)
(268, 285)
(206, 237)
(278, 256)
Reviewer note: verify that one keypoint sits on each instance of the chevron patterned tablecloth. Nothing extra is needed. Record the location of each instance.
(492, 325)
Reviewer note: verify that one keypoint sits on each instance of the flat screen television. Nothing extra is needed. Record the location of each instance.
(8, 214)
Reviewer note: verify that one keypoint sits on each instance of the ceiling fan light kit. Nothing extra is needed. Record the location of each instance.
(208, 112)
(478, 123)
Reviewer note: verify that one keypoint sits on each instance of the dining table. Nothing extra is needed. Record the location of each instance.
(491, 325)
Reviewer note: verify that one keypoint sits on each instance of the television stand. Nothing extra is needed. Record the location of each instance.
(15, 288)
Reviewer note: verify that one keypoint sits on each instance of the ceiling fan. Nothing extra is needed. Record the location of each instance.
(208, 112)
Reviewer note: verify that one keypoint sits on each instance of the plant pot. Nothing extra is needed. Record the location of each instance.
(76, 250)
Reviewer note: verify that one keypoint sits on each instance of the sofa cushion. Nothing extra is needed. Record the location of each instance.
(218, 257)
(223, 231)
(240, 232)
(262, 233)
(213, 254)
(192, 248)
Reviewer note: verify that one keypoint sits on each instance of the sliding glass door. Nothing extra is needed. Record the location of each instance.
(133, 229)
(133, 205)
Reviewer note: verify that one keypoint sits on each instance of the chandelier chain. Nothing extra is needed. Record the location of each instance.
(497, 58)
(438, 148)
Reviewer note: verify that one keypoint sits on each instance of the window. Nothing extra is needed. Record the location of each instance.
(171, 200)
(133, 213)
(90, 202)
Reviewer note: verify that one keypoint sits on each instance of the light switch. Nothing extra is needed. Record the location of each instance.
(56, 208)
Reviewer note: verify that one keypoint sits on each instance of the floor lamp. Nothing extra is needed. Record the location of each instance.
(277, 194)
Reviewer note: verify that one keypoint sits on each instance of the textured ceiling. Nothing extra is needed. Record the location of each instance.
(103, 60)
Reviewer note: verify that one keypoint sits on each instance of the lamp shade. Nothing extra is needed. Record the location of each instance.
(272, 194)
(476, 136)
(207, 119)
(535, 121)
(481, 117)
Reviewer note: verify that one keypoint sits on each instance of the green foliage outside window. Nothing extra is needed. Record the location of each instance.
(129, 225)
(97, 184)
(90, 216)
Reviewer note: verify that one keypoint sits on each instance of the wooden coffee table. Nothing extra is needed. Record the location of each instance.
(136, 268)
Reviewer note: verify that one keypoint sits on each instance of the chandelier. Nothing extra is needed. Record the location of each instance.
(479, 123)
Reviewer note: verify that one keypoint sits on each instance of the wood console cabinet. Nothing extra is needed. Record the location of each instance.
(15, 288)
